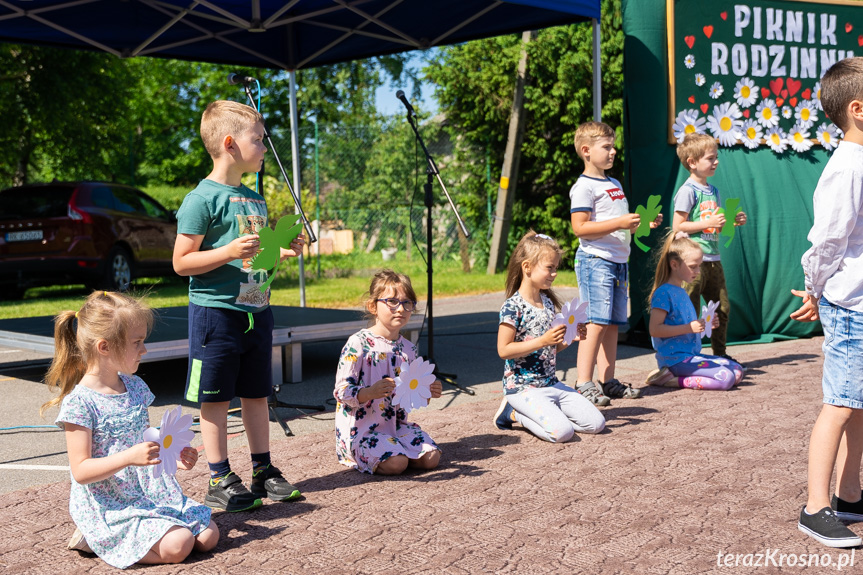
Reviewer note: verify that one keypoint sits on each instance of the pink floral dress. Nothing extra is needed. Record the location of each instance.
(369, 433)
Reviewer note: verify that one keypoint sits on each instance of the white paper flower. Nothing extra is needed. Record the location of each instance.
(816, 95)
(413, 384)
(571, 314)
(687, 122)
(766, 113)
(716, 90)
(787, 112)
(746, 92)
(776, 139)
(689, 61)
(798, 137)
(828, 135)
(699, 79)
(172, 436)
(707, 313)
(806, 113)
(725, 123)
(751, 134)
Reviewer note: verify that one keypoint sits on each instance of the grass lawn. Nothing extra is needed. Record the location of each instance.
(344, 279)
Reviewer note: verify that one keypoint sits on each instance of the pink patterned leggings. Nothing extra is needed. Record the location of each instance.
(707, 372)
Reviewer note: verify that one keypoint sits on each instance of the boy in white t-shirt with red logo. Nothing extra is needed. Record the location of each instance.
(602, 221)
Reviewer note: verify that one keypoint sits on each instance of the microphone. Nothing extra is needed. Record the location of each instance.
(401, 96)
(234, 79)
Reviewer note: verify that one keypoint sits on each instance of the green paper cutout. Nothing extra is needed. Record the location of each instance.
(730, 210)
(648, 214)
(272, 241)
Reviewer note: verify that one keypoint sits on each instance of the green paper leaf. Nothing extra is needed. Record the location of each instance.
(272, 242)
(648, 214)
(731, 209)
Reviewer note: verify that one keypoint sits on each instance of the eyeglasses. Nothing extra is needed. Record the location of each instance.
(393, 303)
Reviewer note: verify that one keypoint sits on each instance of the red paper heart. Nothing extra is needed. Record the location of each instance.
(793, 85)
(780, 101)
(690, 41)
(745, 113)
(776, 85)
(708, 30)
(704, 108)
(806, 94)
(691, 99)
(765, 92)
(784, 93)
(723, 15)
(793, 101)
(860, 40)
(848, 27)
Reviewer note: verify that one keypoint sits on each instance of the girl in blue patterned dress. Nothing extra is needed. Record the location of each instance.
(123, 513)
(372, 435)
(533, 396)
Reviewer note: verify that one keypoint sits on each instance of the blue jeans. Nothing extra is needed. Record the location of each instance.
(603, 285)
(842, 382)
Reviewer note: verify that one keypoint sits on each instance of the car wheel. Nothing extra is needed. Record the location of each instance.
(118, 270)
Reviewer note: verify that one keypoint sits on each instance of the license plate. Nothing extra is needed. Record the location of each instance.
(24, 236)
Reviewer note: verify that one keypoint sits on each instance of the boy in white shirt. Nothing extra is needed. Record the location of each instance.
(833, 269)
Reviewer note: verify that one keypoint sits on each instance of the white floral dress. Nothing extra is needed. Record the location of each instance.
(369, 433)
(123, 516)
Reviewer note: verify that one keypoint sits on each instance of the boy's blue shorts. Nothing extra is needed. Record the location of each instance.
(225, 361)
(603, 285)
(842, 382)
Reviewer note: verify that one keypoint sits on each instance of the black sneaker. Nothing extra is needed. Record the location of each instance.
(503, 417)
(229, 494)
(268, 482)
(826, 528)
(729, 358)
(613, 388)
(848, 511)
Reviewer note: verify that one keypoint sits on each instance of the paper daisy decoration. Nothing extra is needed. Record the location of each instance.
(413, 385)
(725, 123)
(766, 113)
(787, 112)
(828, 135)
(746, 92)
(571, 314)
(716, 90)
(172, 436)
(751, 134)
(798, 138)
(776, 139)
(687, 122)
(806, 113)
(707, 314)
(699, 79)
(816, 95)
(689, 61)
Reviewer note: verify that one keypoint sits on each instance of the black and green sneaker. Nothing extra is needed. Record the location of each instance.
(229, 494)
(268, 482)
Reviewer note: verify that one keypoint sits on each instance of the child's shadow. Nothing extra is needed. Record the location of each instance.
(621, 416)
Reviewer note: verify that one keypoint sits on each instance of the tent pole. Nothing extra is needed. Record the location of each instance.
(597, 73)
(295, 162)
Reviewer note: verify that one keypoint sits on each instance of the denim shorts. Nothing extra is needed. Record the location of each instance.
(603, 285)
(842, 381)
(226, 358)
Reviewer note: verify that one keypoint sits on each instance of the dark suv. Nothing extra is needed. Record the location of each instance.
(104, 235)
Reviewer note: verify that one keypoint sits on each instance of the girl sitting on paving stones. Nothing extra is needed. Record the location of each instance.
(373, 435)
(675, 327)
(533, 396)
(123, 513)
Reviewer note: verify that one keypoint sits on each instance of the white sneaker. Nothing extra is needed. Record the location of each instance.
(78, 543)
(662, 377)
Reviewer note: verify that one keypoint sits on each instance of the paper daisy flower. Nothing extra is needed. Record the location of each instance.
(699, 79)
(707, 313)
(413, 384)
(828, 136)
(751, 134)
(816, 95)
(716, 90)
(725, 123)
(687, 122)
(806, 113)
(798, 138)
(766, 113)
(689, 61)
(571, 314)
(776, 139)
(172, 436)
(746, 92)
(787, 112)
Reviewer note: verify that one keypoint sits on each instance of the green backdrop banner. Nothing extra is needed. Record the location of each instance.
(762, 263)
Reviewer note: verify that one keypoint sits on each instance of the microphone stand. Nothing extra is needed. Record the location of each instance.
(431, 173)
(273, 401)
